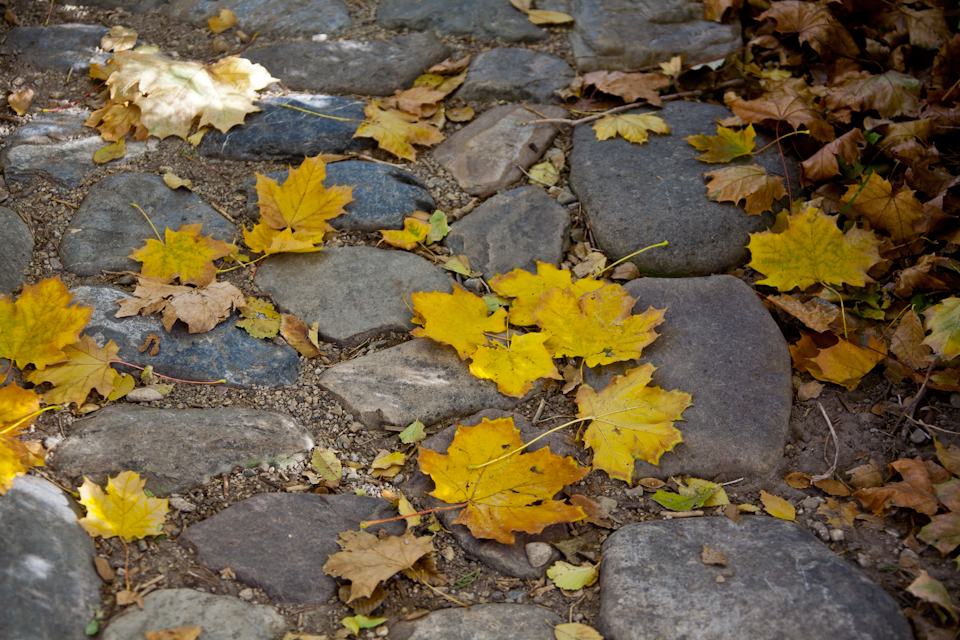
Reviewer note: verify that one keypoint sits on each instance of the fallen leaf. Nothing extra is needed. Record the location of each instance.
(200, 308)
(515, 366)
(726, 145)
(630, 421)
(814, 25)
(303, 339)
(716, 10)
(127, 597)
(450, 66)
(595, 514)
(16, 406)
(572, 578)
(823, 164)
(866, 475)
(526, 288)
(114, 120)
(220, 23)
(711, 556)
(366, 560)
(941, 320)
(915, 491)
(673, 66)
(387, 465)
(891, 94)
(809, 391)
(326, 463)
(119, 38)
(782, 105)
(302, 202)
(633, 127)
(355, 623)
(817, 314)
(500, 498)
(185, 253)
(267, 240)
(21, 100)
(677, 502)
(949, 457)
(110, 152)
(931, 590)
(538, 16)
(896, 213)
(716, 494)
(844, 363)
(413, 433)
(799, 480)
(745, 182)
(122, 385)
(942, 532)
(125, 510)
(195, 138)
(575, 631)
(459, 319)
(35, 329)
(191, 632)
(85, 367)
(414, 232)
(777, 506)
(174, 181)
(396, 131)
(839, 516)
(907, 342)
(260, 319)
(629, 86)
(832, 487)
(460, 114)
(544, 173)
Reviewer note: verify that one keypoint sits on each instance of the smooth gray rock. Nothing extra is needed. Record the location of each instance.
(353, 292)
(417, 380)
(630, 34)
(483, 156)
(220, 617)
(17, 243)
(48, 585)
(515, 74)
(719, 343)
(382, 196)
(176, 450)
(785, 585)
(481, 19)
(481, 622)
(371, 68)
(107, 228)
(225, 352)
(512, 230)
(279, 542)
(639, 195)
(507, 559)
(133, 6)
(57, 47)
(281, 18)
(277, 134)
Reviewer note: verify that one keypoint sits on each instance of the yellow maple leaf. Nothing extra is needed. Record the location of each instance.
(414, 231)
(260, 319)
(302, 202)
(749, 182)
(36, 328)
(597, 326)
(525, 288)
(844, 363)
(396, 131)
(114, 120)
(943, 321)
(125, 510)
(633, 127)
(726, 145)
(185, 253)
(515, 367)
(513, 494)
(459, 319)
(86, 367)
(813, 250)
(895, 213)
(16, 406)
(265, 239)
(366, 560)
(630, 421)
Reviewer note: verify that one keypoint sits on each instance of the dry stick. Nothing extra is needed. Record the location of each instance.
(75, 101)
(836, 445)
(908, 411)
(549, 186)
(367, 523)
(47, 21)
(195, 161)
(930, 426)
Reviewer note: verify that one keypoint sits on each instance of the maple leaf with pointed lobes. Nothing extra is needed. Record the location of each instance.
(597, 326)
(396, 131)
(891, 94)
(781, 105)
(526, 288)
(943, 323)
(86, 367)
(726, 145)
(515, 367)
(907, 342)
(302, 202)
(633, 127)
(813, 250)
(748, 182)
(366, 560)
(631, 421)
(629, 86)
(16, 404)
(513, 494)
(844, 363)
(267, 240)
(114, 120)
(823, 164)
(35, 329)
(414, 232)
(185, 253)
(814, 25)
(124, 510)
(895, 213)
(200, 308)
(458, 319)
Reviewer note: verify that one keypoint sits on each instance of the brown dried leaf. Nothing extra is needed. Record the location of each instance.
(816, 313)
(297, 334)
(711, 556)
(915, 491)
(366, 560)
(823, 164)
(629, 86)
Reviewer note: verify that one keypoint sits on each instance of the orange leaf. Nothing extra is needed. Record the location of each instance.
(915, 491)
(35, 329)
(459, 319)
(302, 202)
(749, 182)
(515, 367)
(185, 253)
(87, 367)
(526, 288)
(844, 363)
(726, 145)
(514, 494)
(897, 214)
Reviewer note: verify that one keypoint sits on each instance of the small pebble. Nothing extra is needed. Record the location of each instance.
(246, 594)
(538, 553)
(143, 395)
(918, 436)
(178, 503)
(382, 632)
(837, 535)
(955, 400)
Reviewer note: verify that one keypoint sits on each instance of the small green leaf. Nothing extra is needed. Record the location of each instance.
(93, 627)
(361, 622)
(872, 136)
(326, 463)
(571, 578)
(457, 265)
(676, 502)
(413, 433)
(438, 227)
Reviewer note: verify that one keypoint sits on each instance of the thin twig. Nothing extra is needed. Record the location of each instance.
(916, 399)
(75, 101)
(72, 206)
(548, 186)
(930, 426)
(836, 445)
(195, 161)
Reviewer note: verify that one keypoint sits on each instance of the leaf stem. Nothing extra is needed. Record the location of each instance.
(242, 265)
(527, 444)
(367, 523)
(777, 141)
(14, 425)
(843, 311)
(635, 253)
(866, 179)
(148, 220)
(319, 115)
(67, 106)
(159, 375)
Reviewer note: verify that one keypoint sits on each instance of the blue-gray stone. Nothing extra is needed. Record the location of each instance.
(48, 585)
(280, 134)
(482, 622)
(57, 48)
(282, 18)
(133, 6)
(225, 352)
(515, 74)
(382, 196)
(17, 243)
(480, 19)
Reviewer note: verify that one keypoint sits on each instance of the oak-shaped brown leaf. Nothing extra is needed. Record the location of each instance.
(366, 560)
(513, 494)
(748, 182)
(823, 164)
(629, 86)
(459, 319)
(897, 213)
(784, 105)
(185, 253)
(814, 25)
(201, 308)
(890, 94)
(915, 491)
(86, 367)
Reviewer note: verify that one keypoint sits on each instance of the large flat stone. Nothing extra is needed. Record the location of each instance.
(282, 18)
(417, 380)
(785, 585)
(279, 542)
(630, 34)
(58, 47)
(639, 195)
(482, 622)
(719, 343)
(382, 196)
(515, 74)
(133, 6)
(176, 449)
(225, 352)
(220, 617)
(107, 228)
(47, 581)
(480, 19)
(277, 133)
(511, 230)
(371, 68)
(483, 156)
(353, 292)
(17, 243)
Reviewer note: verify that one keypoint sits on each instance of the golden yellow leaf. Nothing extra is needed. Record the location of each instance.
(260, 319)
(633, 127)
(302, 202)
(397, 132)
(897, 214)
(110, 152)
(844, 363)
(366, 560)
(35, 329)
(114, 120)
(125, 510)
(943, 323)
(21, 100)
(264, 239)
(777, 506)
(539, 16)
(598, 326)
(514, 494)
(195, 138)
(525, 288)
(460, 114)
(220, 23)
(185, 253)
(122, 385)
(119, 38)
(726, 145)
(86, 367)
(544, 173)
(414, 231)
(749, 182)
(813, 250)
(576, 631)
(630, 421)
(191, 632)
(16, 405)
(673, 66)
(571, 578)
(515, 367)
(459, 319)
